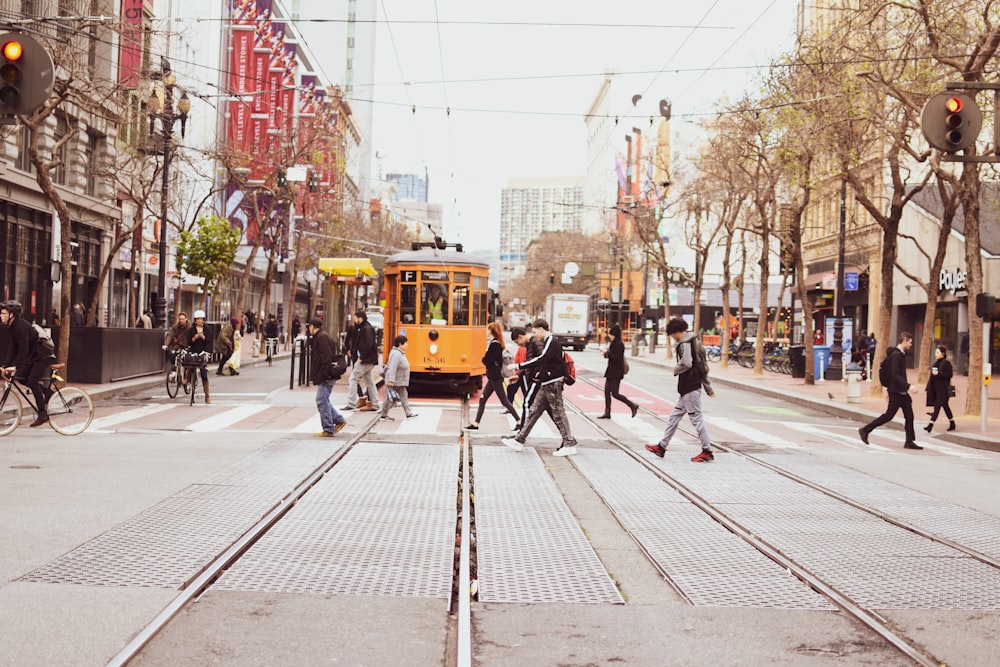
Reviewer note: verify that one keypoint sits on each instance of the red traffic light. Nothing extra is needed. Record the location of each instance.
(13, 50)
(953, 105)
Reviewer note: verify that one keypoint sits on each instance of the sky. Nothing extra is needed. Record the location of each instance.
(478, 93)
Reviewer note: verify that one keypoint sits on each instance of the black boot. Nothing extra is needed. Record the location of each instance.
(634, 407)
(929, 427)
(42, 418)
(605, 416)
(951, 424)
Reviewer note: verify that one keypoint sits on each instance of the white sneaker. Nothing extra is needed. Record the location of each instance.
(565, 451)
(512, 443)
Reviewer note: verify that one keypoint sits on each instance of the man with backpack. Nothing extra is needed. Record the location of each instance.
(547, 371)
(27, 359)
(892, 376)
(691, 369)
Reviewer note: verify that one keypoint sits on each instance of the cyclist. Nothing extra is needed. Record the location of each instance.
(176, 339)
(25, 357)
(198, 343)
(271, 332)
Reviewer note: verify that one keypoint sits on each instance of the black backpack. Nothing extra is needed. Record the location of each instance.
(883, 370)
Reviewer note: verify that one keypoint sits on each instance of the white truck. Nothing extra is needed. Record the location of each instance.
(568, 316)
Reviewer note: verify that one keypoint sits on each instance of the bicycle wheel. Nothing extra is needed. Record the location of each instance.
(193, 383)
(173, 383)
(11, 411)
(70, 411)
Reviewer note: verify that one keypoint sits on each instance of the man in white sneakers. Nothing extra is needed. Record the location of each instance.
(546, 371)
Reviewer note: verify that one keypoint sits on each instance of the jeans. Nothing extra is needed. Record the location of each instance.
(362, 371)
(549, 398)
(328, 415)
(689, 404)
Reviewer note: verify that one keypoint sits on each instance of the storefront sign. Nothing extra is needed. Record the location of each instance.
(953, 281)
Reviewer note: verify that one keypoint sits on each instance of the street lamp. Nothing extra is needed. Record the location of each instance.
(165, 113)
(836, 369)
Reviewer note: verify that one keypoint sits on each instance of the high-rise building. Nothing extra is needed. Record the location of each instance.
(407, 187)
(531, 206)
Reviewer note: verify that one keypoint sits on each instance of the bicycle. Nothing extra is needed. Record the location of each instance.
(192, 363)
(70, 409)
(175, 376)
(270, 345)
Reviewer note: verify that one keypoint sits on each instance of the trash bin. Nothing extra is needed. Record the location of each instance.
(821, 360)
(853, 377)
(797, 355)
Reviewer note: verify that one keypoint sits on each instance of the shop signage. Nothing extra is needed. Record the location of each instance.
(953, 281)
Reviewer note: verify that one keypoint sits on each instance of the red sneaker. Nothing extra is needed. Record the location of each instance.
(656, 449)
(704, 457)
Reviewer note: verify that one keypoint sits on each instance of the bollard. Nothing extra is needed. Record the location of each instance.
(853, 379)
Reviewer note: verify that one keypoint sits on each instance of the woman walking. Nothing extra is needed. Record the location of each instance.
(493, 359)
(615, 372)
(397, 379)
(939, 388)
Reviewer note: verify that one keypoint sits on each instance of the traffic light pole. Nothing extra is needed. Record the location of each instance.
(836, 368)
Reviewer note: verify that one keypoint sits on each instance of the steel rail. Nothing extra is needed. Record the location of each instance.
(869, 618)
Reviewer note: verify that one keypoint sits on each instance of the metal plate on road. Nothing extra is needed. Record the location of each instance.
(381, 522)
(530, 548)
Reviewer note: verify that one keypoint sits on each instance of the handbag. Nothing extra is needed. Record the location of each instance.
(338, 366)
(625, 360)
(951, 391)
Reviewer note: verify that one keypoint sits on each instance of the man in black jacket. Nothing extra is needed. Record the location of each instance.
(366, 350)
(898, 387)
(25, 360)
(323, 353)
(547, 371)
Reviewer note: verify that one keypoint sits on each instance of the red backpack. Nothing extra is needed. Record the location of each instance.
(570, 376)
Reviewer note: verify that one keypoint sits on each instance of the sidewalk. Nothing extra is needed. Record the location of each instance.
(247, 360)
(831, 397)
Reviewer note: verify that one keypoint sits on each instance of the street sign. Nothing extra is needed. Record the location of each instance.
(851, 281)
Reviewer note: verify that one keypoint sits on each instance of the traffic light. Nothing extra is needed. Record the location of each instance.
(552, 277)
(282, 180)
(313, 182)
(26, 74)
(985, 305)
(951, 121)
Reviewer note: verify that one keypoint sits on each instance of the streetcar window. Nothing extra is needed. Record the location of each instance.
(480, 313)
(460, 306)
(435, 303)
(408, 304)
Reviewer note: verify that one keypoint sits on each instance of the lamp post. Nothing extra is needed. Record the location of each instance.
(165, 113)
(836, 369)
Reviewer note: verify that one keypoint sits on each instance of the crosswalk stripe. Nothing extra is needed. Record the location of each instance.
(426, 421)
(851, 440)
(128, 415)
(228, 418)
(750, 434)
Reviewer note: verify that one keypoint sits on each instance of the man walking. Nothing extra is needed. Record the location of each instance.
(892, 376)
(691, 370)
(321, 374)
(548, 370)
(367, 353)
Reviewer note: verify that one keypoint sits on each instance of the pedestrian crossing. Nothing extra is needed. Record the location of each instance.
(255, 417)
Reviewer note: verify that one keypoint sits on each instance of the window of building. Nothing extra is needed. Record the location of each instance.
(91, 156)
(62, 152)
(21, 162)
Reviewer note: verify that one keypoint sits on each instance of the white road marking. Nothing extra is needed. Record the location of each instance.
(222, 420)
(97, 425)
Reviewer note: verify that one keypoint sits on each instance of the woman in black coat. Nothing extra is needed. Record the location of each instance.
(493, 360)
(939, 388)
(615, 372)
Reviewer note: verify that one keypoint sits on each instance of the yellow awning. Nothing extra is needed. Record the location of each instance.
(346, 266)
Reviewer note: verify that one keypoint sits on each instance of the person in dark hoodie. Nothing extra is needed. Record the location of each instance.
(691, 370)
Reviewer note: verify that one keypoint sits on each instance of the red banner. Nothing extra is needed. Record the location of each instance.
(130, 46)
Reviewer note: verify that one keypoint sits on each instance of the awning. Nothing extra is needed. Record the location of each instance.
(347, 267)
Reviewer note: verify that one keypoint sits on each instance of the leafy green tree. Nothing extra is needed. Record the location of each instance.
(208, 251)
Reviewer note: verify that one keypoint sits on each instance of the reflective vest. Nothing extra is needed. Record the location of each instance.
(435, 309)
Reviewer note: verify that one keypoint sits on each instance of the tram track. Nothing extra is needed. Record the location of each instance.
(458, 652)
(871, 618)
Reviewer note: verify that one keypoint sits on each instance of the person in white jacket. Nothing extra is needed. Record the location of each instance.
(397, 379)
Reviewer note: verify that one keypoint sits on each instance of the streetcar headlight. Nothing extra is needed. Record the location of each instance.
(433, 349)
